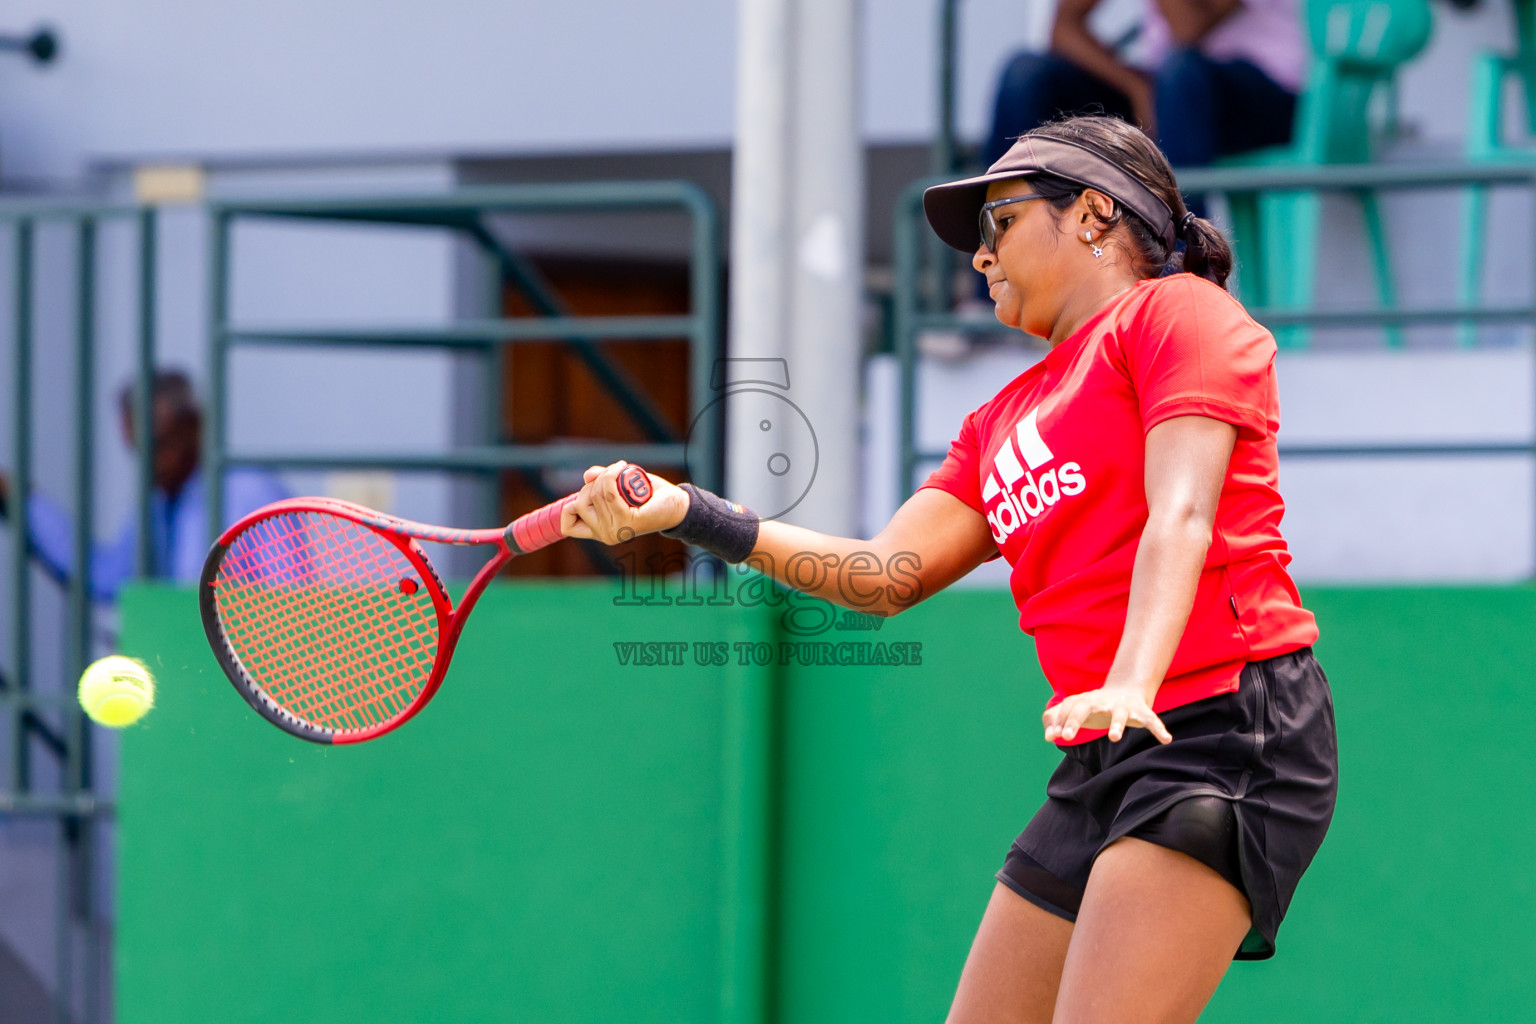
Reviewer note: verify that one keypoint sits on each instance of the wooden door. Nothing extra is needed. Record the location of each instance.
(550, 394)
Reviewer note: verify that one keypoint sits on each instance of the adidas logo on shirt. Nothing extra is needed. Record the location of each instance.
(1021, 494)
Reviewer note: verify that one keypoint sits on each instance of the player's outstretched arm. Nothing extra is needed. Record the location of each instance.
(931, 541)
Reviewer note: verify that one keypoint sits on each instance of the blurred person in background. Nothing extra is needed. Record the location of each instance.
(178, 504)
(1212, 77)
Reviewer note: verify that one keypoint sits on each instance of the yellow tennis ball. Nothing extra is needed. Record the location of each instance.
(117, 691)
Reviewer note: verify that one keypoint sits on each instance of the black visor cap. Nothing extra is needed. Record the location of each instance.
(954, 207)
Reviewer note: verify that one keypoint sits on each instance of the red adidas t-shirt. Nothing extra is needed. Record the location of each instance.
(1055, 463)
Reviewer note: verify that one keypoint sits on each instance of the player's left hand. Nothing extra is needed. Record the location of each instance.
(600, 513)
(1108, 707)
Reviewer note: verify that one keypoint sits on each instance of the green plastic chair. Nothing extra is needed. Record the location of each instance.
(1357, 47)
(1485, 124)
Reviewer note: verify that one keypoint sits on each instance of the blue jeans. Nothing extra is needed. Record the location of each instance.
(1205, 108)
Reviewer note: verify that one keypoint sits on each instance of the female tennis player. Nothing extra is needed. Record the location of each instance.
(1129, 479)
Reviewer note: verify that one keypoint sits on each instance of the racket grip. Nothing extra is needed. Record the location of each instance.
(541, 527)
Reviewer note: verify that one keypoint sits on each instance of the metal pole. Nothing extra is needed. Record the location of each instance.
(86, 839)
(944, 146)
(85, 425)
(495, 362)
(143, 411)
(825, 341)
(704, 449)
(945, 156)
(761, 208)
(77, 751)
(63, 983)
(77, 735)
(761, 225)
(79, 593)
(213, 426)
(21, 489)
(1531, 182)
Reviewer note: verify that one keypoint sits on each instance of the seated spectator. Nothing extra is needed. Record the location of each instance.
(178, 504)
(1214, 77)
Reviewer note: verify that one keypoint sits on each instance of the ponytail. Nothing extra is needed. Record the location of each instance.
(1206, 252)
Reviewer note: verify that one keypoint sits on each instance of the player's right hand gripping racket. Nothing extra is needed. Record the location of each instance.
(329, 620)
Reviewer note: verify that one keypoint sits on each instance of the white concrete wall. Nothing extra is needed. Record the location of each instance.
(290, 77)
(293, 79)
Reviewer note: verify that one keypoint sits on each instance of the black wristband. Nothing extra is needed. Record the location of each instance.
(724, 529)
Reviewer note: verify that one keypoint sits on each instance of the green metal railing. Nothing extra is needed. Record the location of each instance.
(50, 717)
(466, 212)
(746, 814)
(53, 719)
(911, 318)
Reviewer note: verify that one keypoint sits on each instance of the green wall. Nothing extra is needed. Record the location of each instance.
(545, 842)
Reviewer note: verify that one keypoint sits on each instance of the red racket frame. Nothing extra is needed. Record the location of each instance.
(537, 529)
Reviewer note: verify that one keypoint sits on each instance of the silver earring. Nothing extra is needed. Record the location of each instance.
(1097, 252)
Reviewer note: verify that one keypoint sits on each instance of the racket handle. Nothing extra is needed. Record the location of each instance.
(538, 529)
(541, 527)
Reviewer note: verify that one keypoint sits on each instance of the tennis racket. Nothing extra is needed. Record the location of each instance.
(330, 621)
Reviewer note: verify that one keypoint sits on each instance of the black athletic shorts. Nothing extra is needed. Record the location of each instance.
(1247, 786)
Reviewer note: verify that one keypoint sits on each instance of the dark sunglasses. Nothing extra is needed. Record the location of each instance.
(990, 232)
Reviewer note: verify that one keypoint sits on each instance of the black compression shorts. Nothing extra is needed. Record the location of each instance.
(1247, 788)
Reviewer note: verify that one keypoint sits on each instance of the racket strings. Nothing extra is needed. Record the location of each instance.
(317, 611)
